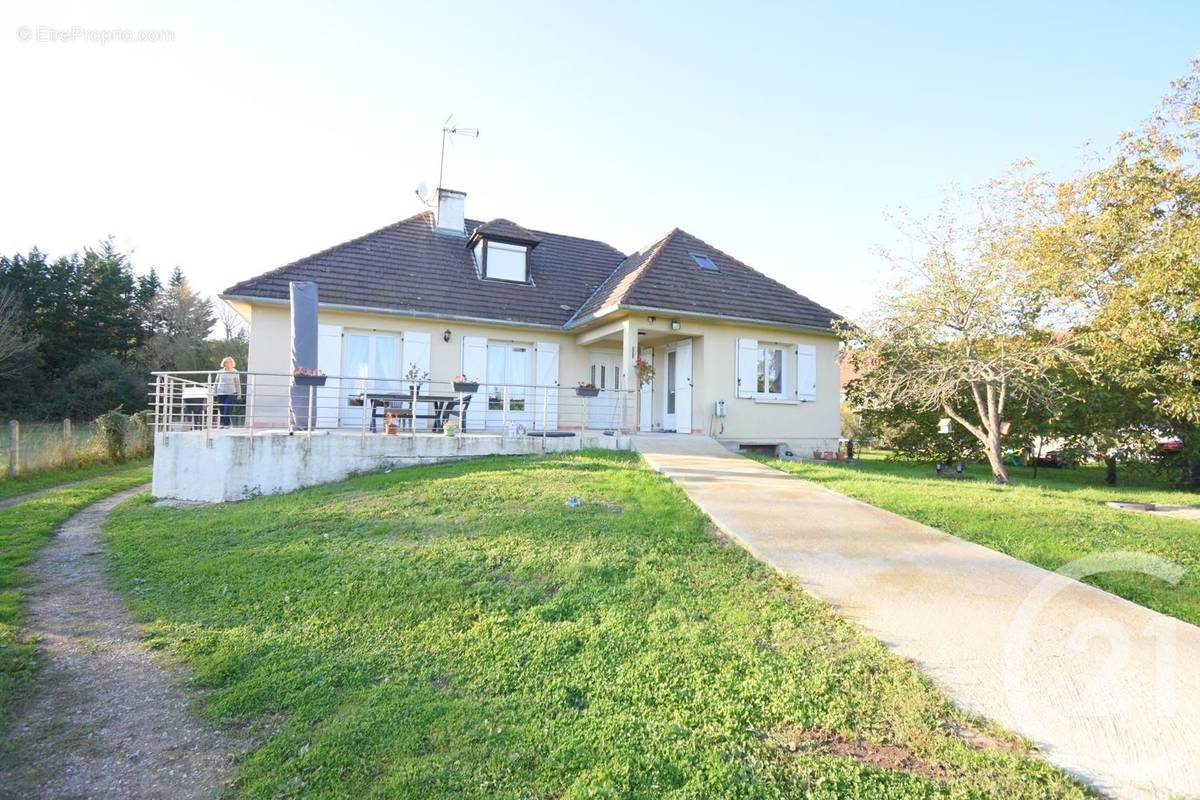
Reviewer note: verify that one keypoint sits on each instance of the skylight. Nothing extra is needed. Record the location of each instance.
(704, 262)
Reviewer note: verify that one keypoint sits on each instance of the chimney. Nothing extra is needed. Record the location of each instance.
(451, 211)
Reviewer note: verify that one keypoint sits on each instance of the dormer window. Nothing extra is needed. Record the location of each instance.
(505, 262)
(502, 251)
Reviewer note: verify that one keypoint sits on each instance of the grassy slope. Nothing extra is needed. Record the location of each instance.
(23, 529)
(35, 481)
(1049, 522)
(457, 631)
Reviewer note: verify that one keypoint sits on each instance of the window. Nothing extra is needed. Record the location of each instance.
(670, 381)
(601, 375)
(373, 359)
(507, 364)
(773, 371)
(704, 262)
(506, 262)
(770, 370)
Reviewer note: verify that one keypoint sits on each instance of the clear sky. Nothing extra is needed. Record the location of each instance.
(780, 133)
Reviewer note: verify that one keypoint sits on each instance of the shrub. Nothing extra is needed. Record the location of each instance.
(113, 428)
(140, 437)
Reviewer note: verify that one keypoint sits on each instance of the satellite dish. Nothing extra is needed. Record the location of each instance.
(422, 191)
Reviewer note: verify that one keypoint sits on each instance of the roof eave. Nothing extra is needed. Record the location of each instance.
(608, 310)
(491, 237)
(395, 312)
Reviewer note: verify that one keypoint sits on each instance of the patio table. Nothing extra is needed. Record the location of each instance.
(444, 405)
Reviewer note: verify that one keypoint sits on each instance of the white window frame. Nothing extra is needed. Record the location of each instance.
(764, 351)
(508, 250)
(516, 393)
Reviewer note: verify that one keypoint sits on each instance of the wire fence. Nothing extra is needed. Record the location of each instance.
(39, 446)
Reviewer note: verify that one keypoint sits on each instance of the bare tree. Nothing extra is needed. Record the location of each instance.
(962, 331)
(231, 321)
(13, 341)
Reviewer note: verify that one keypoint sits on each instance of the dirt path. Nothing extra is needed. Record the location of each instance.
(106, 722)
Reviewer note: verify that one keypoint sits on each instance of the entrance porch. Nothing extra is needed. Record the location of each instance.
(672, 400)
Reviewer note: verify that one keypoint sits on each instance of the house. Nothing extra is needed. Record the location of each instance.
(736, 355)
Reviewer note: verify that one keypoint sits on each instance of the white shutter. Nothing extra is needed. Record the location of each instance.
(806, 372)
(416, 351)
(547, 383)
(747, 367)
(474, 368)
(329, 361)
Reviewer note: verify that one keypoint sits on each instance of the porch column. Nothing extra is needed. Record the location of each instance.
(629, 383)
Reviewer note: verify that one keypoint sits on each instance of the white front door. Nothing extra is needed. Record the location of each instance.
(677, 400)
(372, 361)
(683, 387)
(604, 410)
(509, 378)
(646, 395)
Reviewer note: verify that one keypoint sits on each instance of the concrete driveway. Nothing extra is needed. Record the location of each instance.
(1108, 690)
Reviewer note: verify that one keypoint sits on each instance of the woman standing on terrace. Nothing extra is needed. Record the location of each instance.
(227, 387)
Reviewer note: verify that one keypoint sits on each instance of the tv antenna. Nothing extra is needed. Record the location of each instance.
(450, 129)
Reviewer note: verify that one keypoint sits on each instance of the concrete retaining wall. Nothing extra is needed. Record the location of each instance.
(234, 466)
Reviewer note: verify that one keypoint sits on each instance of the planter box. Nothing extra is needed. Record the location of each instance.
(583, 391)
(466, 388)
(309, 380)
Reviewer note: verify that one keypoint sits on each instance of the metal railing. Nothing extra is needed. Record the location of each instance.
(260, 402)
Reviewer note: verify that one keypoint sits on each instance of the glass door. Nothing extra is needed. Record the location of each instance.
(509, 374)
(372, 361)
(603, 410)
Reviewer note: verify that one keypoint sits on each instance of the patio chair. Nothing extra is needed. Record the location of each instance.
(195, 405)
(451, 411)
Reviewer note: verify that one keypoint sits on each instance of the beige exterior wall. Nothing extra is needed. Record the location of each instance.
(270, 340)
(802, 425)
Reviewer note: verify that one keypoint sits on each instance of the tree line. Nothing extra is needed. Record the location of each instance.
(1033, 309)
(81, 333)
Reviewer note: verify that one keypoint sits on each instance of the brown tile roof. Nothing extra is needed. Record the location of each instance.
(409, 267)
(500, 228)
(665, 276)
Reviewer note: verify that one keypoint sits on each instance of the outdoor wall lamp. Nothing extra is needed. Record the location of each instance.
(675, 325)
(651, 319)
(446, 335)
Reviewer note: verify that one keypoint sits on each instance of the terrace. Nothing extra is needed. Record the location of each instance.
(282, 433)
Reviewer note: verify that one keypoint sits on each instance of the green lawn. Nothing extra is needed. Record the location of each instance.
(1050, 521)
(23, 529)
(458, 631)
(35, 481)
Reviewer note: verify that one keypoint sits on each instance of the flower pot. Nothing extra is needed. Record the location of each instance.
(585, 391)
(309, 380)
(466, 387)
